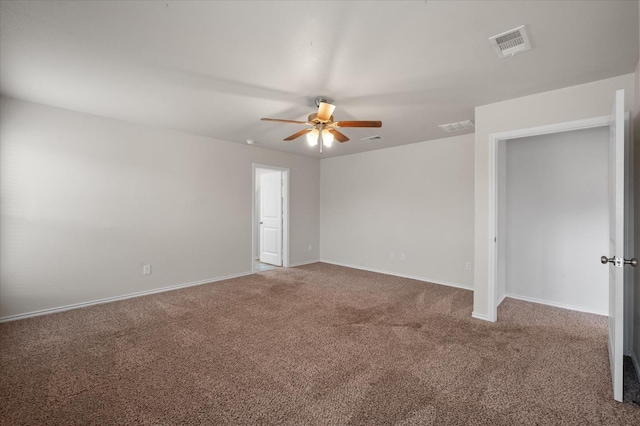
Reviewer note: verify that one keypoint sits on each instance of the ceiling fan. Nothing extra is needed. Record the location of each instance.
(323, 126)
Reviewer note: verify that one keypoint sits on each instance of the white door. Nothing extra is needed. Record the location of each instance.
(271, 218)
(616, 243)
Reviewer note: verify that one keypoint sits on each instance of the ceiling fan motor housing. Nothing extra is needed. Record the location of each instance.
(313, 118)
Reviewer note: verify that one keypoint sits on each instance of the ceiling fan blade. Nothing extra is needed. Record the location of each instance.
(284, 121)
(358, 124)
(325, 111)
(340, 137)
(297, 135)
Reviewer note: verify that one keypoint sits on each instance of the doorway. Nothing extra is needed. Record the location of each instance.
(497, 210)
(270, 224)
(553, 219)
(497, 173)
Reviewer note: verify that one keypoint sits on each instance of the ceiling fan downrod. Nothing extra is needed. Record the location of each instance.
(319, 100)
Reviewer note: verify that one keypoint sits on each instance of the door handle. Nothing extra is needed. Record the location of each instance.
(605, 260)
(633, 262)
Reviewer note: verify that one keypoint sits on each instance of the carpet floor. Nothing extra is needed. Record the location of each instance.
(318, 344)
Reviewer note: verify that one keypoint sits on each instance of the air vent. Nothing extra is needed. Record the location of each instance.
(457, 127)
(372, 138)
(511, 42)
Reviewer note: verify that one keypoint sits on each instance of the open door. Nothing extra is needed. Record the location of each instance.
(271, 218)
(615, 258)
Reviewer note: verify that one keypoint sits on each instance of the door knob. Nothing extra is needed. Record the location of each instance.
(618, 262)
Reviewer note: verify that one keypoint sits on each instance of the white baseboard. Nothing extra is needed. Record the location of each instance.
(116, 298)
(306, 262)
(636, 364)
(555, 304)
(396, 274)
(504, 296)
(480, 316)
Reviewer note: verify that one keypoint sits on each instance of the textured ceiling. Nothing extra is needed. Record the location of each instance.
(216, 68)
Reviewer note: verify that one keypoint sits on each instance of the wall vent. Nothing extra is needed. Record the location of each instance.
(457, 127)
(511, 42)
(372, 138)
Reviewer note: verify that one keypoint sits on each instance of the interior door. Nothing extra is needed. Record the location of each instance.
(616, 243)
(271, 218)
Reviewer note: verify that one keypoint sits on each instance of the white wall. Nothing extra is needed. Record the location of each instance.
(571, 103)
(557, 221)
(414, 199)
(86, 201)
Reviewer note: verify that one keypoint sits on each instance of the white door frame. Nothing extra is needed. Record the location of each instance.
(285, 213)
(495, 240)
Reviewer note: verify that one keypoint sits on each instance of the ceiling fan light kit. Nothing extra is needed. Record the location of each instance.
(323, 127)
(312, 137)
(327, 138)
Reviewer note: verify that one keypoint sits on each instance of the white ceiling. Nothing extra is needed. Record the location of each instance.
(216, 68)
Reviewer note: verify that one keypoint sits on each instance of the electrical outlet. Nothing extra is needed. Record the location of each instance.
(146, 270)
(467, 266)
(403, 257)
(392, 255)
(310, 247)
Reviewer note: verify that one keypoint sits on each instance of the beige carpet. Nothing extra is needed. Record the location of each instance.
(318, 344)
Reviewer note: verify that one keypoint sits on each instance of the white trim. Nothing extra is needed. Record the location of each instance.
(492, 308)
(492, 241)
(556, 304)
(116, 298)
(482, 317)
(306, 262)
(636, 364)
(285, 212)
(285, 218)
(629, 238)
(568, 126)
(504, 296)
(396, 274)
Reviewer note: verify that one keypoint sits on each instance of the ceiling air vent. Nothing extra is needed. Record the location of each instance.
(457, 127)
(511, 42)
(372, 138)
